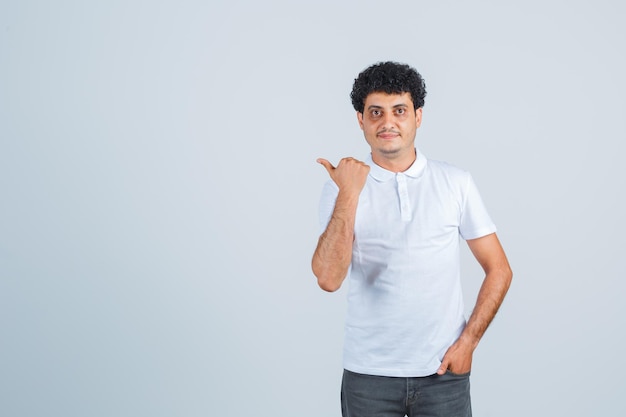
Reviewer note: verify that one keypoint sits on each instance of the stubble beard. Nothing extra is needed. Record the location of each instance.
(390, 153)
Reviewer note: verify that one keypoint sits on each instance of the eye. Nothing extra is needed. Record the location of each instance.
(401, 111)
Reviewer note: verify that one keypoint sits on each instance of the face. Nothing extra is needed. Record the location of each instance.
(389, 123)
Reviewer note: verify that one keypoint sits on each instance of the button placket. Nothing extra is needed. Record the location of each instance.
(403, 195)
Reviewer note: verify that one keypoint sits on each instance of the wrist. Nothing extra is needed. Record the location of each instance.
(468, 340)
(348, 196)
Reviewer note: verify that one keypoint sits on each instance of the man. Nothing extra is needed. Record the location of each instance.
(392, 224)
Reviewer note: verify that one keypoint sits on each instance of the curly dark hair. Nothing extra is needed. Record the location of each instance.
(391, 78)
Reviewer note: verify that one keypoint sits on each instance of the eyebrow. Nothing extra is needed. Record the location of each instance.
(374, 106)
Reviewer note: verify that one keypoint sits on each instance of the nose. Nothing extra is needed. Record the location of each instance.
(388, 120)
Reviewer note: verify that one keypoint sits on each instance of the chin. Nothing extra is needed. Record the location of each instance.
(389, 152)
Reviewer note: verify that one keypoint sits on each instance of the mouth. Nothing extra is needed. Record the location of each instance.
(387, 135)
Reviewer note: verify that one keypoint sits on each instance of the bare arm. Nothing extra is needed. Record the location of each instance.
(489, 253)
(333, 254)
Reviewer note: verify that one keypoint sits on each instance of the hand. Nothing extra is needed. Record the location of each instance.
(349, 175)
(458, 359)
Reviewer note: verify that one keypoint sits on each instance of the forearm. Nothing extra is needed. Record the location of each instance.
(490, 297)
(458, 358)
(333, 254)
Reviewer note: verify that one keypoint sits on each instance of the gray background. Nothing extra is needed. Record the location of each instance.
(159, 197)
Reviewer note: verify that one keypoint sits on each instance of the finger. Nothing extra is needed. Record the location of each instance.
(329, 167)
(443, 368)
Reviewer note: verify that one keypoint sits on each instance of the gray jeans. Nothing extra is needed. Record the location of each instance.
(445, 395)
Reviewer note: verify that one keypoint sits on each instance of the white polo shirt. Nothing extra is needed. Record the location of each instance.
(405, 306)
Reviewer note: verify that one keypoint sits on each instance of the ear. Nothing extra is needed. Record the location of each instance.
(359, 117)
(418, 117)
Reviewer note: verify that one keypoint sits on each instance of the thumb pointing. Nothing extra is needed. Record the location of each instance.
(329, 167)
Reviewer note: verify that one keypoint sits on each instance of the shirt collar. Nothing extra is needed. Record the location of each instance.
(381, 174)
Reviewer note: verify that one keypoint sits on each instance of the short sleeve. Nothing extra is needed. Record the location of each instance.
(475, 221)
